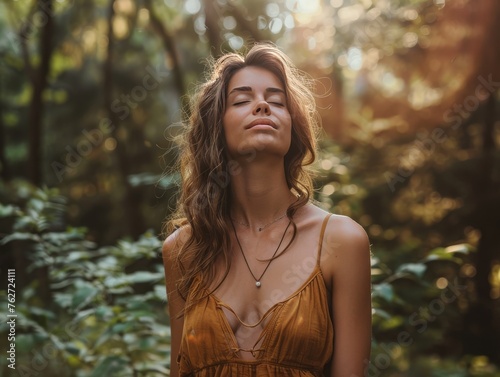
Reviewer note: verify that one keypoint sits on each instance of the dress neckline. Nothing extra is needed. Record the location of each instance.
(234, 345)
(315, 272)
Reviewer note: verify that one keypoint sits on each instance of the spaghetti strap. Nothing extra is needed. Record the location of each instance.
(321, 236)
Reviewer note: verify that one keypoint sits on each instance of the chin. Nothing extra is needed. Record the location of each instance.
(258, 153)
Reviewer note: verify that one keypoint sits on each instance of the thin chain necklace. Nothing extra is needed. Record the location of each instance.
(257, 281)
(260, 228)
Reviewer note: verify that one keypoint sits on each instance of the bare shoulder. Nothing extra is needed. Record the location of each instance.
(339, 229)
(170, 252)
(343, 230)
(173, 243)
(346, 246)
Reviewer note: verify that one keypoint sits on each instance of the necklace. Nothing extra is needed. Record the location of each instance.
(260, 228)
(257, 281)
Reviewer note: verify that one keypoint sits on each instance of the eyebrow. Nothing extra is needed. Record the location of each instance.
(249, 89)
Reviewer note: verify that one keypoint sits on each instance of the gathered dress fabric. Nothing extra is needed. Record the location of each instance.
(296, 341)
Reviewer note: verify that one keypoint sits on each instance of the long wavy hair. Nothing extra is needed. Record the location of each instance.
(205, 168)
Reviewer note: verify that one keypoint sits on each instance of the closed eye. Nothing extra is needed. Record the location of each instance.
(240, 103)
(277, 104)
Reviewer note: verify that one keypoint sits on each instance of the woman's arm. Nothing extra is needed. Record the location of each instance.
(349, 265)
(175, 301)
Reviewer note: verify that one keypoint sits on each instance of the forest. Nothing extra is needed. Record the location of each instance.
(93, 94)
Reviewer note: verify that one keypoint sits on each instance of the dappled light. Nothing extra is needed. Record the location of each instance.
(95, 94)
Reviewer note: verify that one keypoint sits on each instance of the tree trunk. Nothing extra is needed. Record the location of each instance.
(212, 18)
(39, 83)
(482, 331)
(170, 48)
(249, 26)
(35, 118)
(133, 220)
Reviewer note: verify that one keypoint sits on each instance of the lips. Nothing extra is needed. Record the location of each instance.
(261, 121)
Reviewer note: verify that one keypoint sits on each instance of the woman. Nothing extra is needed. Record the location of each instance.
(260, 281)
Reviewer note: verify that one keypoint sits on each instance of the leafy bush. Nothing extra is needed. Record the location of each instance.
(106, 315)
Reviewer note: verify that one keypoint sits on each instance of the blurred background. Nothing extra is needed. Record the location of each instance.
(92, 95)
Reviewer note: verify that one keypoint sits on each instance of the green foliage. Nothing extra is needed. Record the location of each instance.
(420, 288)
(108, 311)
(388, 89)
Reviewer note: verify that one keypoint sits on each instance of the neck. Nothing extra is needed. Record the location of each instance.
(260, 193)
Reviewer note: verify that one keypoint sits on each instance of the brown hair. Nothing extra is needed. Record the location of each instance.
(205, 168)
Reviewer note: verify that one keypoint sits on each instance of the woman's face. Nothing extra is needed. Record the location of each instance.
(257, 121)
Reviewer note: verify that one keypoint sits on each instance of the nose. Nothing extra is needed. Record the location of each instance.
(262, 108)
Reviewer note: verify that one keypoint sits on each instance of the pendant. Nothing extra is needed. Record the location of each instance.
(257, 284)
